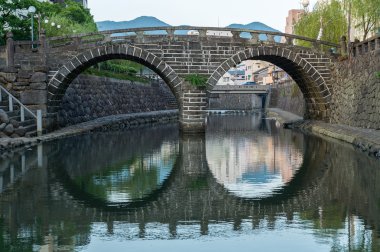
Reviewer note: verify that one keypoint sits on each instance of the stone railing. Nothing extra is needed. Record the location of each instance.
(369, 45)
(174, 33)
(157, 34)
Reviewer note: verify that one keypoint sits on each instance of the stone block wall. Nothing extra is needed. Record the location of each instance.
(288, 97)
(356, 91)
(90, 97)
(235, 101)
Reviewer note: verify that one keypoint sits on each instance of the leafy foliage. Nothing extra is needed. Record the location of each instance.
(14, 18)
(72, 17)
(196, 80)
(328, 18)
(366, 14)
(118, 69)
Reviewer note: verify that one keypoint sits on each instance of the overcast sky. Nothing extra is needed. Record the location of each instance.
(197, 12)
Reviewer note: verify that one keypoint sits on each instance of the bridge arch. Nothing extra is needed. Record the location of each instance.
(308, 70)
(71, 69)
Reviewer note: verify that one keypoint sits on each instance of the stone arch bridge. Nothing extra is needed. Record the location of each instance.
(173, 54)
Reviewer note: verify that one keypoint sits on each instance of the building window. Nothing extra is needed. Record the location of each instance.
(226, 79)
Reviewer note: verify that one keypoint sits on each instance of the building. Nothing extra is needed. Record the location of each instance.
(234, 76)
(270, 75)
(292, 18)
(227, 79)
(242, 73)
(252, 66)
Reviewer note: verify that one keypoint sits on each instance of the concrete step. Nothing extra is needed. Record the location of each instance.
(31, 127)
(13, 114)
(28, 122)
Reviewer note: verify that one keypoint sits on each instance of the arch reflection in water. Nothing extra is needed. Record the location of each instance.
(121, 168)
(330, 204)
(249, 156)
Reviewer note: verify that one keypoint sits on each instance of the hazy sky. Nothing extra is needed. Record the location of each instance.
(197, 12)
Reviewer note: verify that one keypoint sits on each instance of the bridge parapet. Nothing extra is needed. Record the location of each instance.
(369, 45)
(190, 33)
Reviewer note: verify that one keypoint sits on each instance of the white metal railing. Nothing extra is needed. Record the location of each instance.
(23, 108)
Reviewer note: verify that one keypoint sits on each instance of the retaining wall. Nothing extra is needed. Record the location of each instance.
(288, 97)
(235, 101)
(356, 91)
(91, 97)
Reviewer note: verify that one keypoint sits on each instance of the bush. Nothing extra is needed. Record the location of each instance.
(196, 80)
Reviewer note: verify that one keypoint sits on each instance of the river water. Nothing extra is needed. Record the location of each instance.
(247, 184)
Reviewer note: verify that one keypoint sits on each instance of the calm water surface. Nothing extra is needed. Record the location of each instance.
(247, 184)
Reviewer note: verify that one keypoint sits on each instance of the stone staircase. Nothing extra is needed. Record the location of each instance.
(18, 128)
(16, 120)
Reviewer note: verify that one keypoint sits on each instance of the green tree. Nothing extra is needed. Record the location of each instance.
(366, 14)
(14, 17)
(72, 17)
(327, 22)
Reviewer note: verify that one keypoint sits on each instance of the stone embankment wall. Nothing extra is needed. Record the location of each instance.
(356, 91)
(288, 97)
(235, 102)
(90, 97)
(29, 86)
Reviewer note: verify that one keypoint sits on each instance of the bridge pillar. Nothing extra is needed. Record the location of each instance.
(192, 117)
(193, 158)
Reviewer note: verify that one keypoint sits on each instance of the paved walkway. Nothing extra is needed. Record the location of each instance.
(284, 116)
(80, 128)
(367, 140)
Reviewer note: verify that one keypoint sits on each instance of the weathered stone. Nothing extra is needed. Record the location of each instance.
(7, 69)
(39, 68)
(33, 97)
(38, 85)
(14, 135)
(22, 80)
(3, 116)
(9, 129)
(23, 84)
(2, 126)
(24, 74)
(3, 135)
(20, 131)
(15, 123)
(38, 77)
(8, 77)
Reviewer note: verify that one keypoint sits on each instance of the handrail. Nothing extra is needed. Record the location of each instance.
(171, 29)
(23, 108)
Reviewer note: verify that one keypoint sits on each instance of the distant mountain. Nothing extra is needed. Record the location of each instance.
(255, 26)
(147, 21)
(143, 21)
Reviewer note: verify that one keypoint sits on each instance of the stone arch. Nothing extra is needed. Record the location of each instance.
(312, 83)
(69, 71)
